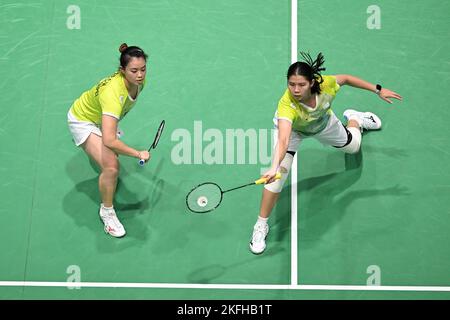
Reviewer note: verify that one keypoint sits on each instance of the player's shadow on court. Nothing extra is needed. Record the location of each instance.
(82, 205)
(214, 272)
(321, 190)
(325, 199)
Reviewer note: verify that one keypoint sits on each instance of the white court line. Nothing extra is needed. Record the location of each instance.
(294, 250)
(219, 286)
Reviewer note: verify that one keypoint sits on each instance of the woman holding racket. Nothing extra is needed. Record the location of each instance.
(304, 111)
(93, 121)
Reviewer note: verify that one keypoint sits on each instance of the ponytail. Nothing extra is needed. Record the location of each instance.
(310, 69)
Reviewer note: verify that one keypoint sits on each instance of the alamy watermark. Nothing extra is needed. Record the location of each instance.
(375, 275)
(74, 273)
(374, 19)
(221, 146)
(74, 19)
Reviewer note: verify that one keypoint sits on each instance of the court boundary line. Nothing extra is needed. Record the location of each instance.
(294, 230)
(72, 285)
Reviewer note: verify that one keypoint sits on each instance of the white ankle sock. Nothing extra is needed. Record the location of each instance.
(262, 220)
(102, 205)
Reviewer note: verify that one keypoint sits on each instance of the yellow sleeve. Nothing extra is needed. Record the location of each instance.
(110, 102)
(286, 108)
(329, 85)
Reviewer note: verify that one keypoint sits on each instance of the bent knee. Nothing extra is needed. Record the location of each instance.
(112, 171)
(352, 149)
(355, 143)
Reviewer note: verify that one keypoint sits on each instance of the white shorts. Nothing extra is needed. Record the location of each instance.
(334, 134)
(81, 129)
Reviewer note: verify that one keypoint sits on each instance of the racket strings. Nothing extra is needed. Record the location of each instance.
(204, 198)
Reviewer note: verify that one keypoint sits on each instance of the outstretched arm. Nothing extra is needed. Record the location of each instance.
(284, 133)
(385, 94)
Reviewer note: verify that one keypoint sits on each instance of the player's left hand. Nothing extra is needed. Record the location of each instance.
(385, 94)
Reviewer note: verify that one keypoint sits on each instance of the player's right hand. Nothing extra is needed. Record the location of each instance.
(270, 175)
(144, 155)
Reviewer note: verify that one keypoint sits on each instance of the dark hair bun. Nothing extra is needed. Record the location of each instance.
(123, 47)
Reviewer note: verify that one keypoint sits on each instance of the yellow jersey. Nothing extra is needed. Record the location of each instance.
(306, 120)
(109, 96)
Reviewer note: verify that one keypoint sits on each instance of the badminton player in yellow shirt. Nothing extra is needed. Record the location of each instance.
(93, 121)
(305, 111)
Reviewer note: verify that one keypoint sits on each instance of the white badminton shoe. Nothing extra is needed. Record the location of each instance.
(258, 241)
(366, 120)
(111, 222)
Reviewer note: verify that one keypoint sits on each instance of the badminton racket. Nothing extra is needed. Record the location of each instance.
(155, 141)
(208, 196)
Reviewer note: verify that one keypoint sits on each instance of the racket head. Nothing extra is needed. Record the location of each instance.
(158, 134)
(209, 191)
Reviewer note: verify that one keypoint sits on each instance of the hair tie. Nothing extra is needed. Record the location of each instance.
(123, 47)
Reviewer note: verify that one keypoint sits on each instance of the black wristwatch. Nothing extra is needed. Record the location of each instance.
(378, 90)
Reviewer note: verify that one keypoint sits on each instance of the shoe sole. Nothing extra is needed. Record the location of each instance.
(348, 111)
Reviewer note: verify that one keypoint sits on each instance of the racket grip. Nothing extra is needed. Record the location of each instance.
(141, 162)
(263, 180)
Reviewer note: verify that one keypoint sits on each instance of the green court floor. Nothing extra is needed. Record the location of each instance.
(216, 70)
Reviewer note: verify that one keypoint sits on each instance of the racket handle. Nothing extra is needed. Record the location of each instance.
(263, 180)
(141, 162)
